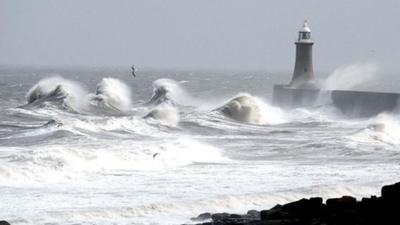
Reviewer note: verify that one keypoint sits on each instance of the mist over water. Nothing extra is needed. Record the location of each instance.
(101, 147)
(351, 76)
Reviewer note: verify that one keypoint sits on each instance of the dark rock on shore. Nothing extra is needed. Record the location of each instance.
(3, 222)
(384, 210)
(201, 217)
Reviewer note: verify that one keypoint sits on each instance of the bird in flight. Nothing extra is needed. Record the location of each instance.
(133, 70)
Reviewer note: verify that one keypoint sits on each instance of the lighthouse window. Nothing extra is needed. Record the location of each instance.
(305, 35)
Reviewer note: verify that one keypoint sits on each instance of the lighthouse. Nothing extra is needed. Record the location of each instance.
(303, 92)
(303, 74)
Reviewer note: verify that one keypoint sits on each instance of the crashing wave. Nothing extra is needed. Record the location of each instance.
(249, 109)
(169, 91)
(384, 129)
(166, 114)
(112, 94)
(377, 127)
(57, 93)
(57, 90)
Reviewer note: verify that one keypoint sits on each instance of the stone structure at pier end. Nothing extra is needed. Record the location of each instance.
(303, 73)
(303, 90)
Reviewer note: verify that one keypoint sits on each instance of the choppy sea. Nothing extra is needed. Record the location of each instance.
(97, 146)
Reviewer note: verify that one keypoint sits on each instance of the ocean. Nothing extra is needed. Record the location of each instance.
(97, 146)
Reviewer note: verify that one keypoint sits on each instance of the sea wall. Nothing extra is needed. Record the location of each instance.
(286, 97)
(351, 103)
(364, 104)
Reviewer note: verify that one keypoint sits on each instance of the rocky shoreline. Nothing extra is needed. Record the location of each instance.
(383, 210)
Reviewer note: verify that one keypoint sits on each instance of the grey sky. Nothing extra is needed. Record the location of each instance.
(205, 34)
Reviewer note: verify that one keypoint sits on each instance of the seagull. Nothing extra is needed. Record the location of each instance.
(133, 70)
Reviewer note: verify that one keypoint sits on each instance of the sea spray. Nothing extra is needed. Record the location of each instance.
(165, 114)
(113, 94)
(386, 127)
(70, 93)
(171, 91)
(249, 109)
(348, 77)
(382, 130)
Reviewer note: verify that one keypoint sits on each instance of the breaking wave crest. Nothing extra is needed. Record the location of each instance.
(113, 94)
(165, 113)
(384, 129)
(169, 91)
(249, 109)
(69, 94)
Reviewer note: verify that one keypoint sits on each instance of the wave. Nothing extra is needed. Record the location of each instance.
(57, 163)
(249, 109)
(112, 94)
(383, 129)
(69, 94)
(169, 91)
(166, 114)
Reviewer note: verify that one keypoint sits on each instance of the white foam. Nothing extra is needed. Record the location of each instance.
(74, 94)
(249, 109)
(114, 94)
(165, 114)
(348, 77)
(61, 163)
(167, 90)
(180, 212)
(384, 129)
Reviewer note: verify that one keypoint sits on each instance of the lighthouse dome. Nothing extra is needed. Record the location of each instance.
(305, 28)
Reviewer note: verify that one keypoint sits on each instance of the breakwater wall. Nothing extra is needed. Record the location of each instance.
(350, 103)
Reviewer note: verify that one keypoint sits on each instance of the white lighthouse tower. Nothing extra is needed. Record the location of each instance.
(303, 74)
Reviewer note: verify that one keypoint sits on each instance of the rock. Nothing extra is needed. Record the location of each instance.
(235, 216)
(369, 203)
(273, 214)
(391, 193)
(201, 217)
(219, 216)
(274, 222)
(340, 203)
(253, 214)
(3, 222)
(264, 215)
(207, 223)
(337, 211)
(303, 205)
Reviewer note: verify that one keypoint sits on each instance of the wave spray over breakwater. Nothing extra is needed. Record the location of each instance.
(349, 77)
(162, 148)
